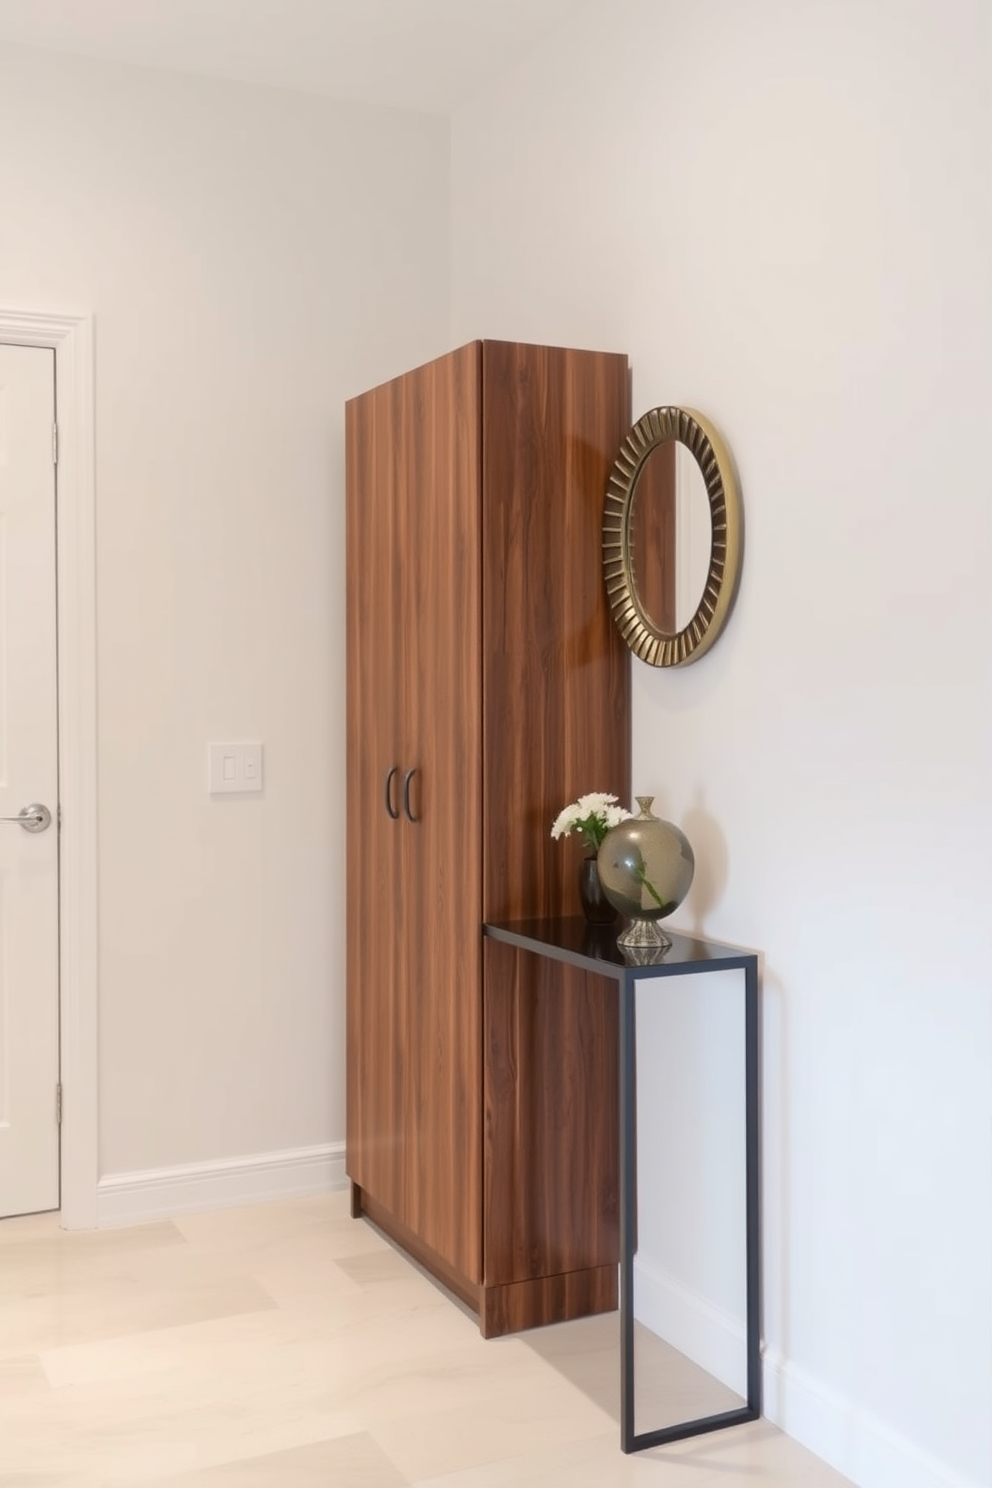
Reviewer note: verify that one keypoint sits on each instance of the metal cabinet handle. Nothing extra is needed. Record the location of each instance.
(34, 818)
(391, 774)
(406, 795)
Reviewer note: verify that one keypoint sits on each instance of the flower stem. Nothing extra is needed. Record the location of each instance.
(642, 877)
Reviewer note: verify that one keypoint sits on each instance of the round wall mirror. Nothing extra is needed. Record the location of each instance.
(672, 537)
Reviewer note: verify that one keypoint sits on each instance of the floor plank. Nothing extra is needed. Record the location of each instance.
(287, 1345)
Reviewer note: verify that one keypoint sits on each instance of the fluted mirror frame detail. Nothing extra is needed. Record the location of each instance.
(646, 641)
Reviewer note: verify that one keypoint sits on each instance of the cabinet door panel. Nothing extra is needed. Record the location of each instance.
(440, 691)
(414, 980)
(376, 1095)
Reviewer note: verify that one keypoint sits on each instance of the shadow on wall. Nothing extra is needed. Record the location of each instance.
(775, 1183)
(709, 882)
(710, 849)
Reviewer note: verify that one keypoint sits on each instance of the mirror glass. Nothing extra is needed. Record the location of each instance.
(671, 534)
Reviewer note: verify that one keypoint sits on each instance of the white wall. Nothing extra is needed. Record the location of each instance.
(252, 258)
(781, 211)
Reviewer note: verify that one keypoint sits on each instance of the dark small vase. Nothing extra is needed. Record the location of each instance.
(595, 906)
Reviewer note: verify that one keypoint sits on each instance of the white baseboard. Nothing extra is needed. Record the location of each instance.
(137, 1198)
(706, 1334)
(851, 1440)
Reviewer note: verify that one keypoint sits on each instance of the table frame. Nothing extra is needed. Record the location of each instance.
(574, 942)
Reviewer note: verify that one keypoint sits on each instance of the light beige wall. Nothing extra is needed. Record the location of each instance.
(781, 211)
(252, 258)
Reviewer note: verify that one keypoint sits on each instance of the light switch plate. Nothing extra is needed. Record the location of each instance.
(234, 768)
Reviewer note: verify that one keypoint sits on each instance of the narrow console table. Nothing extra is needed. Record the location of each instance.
(573, 941)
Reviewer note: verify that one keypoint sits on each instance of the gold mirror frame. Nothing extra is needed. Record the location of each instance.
(652, 645)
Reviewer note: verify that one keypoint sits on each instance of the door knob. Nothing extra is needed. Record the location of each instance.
(33, 818)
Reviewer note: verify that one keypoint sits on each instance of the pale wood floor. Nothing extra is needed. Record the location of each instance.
(289, 1346)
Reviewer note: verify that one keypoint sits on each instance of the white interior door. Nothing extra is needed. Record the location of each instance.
(29, 875)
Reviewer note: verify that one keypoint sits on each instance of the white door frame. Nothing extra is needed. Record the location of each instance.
(71, 338)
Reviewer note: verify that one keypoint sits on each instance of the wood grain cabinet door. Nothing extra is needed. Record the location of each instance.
(376, 1079)
(414, 969)
(441, 708)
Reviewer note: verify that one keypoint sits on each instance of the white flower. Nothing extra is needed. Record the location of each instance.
(565, 821)
(594, 804)
(591, 816)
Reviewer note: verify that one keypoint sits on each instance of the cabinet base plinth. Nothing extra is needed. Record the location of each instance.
(513, 1306)
(547, 1299)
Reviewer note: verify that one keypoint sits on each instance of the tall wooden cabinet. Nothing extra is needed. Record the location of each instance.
(487, 688)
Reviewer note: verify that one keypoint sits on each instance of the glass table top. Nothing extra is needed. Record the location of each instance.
(594, 947)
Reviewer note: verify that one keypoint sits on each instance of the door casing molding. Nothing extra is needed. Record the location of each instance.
(71, 338)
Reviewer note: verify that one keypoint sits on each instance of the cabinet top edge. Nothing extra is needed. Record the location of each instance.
(480, 347)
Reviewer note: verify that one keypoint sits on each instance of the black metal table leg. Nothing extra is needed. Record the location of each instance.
(753, 1188)
(628, 1211)
(630, 1439)
(567, 940)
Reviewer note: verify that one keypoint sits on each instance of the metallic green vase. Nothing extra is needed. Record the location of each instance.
(645, 867)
